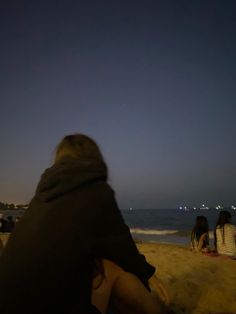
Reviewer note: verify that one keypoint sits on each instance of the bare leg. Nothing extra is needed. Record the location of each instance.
(129, 296)
(103, 285)
(125, 293)
(158, 289)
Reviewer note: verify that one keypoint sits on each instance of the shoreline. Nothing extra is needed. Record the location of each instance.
(167, 239)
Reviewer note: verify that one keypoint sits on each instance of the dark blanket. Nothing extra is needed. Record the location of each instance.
(73, 218)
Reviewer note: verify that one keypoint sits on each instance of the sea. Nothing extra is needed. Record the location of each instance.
(161, 225)
(168, 225)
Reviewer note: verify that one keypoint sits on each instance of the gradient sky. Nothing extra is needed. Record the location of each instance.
(153, 82)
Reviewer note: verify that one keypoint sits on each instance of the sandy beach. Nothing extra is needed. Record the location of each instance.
(197, 284)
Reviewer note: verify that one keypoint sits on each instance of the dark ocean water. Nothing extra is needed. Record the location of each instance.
(160, 225)
(168, 225)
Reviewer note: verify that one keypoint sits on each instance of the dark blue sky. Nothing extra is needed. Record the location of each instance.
(152, 81)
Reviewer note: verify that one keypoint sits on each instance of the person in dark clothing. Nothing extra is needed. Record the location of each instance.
(72, 221)
(9, 224)
(2, 223)
(200, 235)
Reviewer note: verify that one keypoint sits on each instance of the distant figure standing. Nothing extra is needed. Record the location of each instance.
(200, 235)
(225, 235)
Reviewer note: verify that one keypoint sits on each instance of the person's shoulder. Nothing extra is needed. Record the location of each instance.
(232, 227)
(229, 225)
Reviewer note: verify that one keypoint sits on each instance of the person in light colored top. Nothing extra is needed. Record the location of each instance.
(225, 235)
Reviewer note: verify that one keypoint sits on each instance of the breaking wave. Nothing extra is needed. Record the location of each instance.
(158, 232)
(152, 231)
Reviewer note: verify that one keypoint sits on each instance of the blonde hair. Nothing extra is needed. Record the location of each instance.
(78, 146)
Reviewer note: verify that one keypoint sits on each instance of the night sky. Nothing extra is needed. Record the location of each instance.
(153, 82)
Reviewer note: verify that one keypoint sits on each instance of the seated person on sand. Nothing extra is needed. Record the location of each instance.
(9, 224)
(2, 223)
(73, 224)
(225, 235)
(200, 235)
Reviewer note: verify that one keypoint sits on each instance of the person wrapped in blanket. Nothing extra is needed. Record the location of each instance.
(200, 235)
(72, 228)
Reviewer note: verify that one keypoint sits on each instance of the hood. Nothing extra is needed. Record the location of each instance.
(69, 174)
